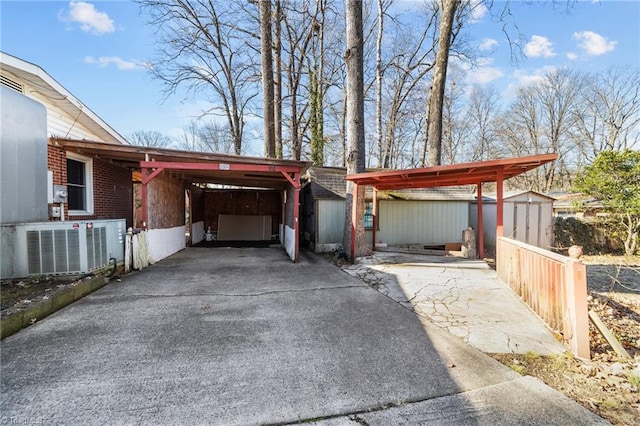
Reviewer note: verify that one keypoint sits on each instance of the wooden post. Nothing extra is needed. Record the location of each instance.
(480, 223)
(577, 314)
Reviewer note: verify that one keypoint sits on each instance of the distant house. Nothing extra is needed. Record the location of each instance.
(576, 205)
(528, 217)
(426, 217)
(65, 209)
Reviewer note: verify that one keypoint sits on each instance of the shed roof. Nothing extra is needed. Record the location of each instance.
(197, 167)
(330, 183)
(452, 175)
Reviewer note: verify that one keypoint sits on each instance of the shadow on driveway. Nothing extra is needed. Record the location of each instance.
(244, 336)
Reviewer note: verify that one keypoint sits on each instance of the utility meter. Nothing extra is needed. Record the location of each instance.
(59, 194)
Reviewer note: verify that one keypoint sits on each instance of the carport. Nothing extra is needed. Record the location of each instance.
(475, 173)
(165, 174)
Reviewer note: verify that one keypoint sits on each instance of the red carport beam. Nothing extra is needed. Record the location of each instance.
(234, 167)
(295, 181)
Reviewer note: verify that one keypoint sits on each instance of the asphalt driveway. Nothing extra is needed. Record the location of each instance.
(244, 336)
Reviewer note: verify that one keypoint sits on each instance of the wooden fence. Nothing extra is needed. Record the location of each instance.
(554, 286)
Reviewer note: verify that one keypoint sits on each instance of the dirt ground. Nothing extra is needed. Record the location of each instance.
(17, 294)
(608, 384)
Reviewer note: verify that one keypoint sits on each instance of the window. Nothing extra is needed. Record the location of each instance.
(368, 215)
(79, 185)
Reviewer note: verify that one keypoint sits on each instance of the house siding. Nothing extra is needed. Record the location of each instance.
(419, 222)
(58, 122)
(112, 187)
(330, 221)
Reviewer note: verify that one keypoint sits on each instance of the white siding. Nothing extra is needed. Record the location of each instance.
(488, 223)
(420, 222)
(330, 221)
(59, 123)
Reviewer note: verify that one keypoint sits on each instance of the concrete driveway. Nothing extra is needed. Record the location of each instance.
(244, 336)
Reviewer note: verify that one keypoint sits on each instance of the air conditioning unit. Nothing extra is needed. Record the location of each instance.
(61, 248)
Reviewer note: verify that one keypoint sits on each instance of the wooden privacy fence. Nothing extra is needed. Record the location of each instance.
(554, 286)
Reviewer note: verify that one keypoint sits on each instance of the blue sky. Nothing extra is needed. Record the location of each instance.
(95, 49)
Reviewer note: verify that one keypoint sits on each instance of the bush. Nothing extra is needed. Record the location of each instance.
(595, 237)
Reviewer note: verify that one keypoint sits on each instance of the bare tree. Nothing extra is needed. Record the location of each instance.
(149, 138)
(216, 138)
(610, 113)
(267, 78)
(539, 122)
(206, 137)
(277, 77)
(355, 125)
(455, 123)
(203, 48)
(410, 62)
(448, 10)
(482, 111)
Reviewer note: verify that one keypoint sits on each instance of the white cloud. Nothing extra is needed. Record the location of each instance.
(478, 10)
(523, 79)
(105, 61)
(539, 46)
(572, 56)
(90, 20)
(488, 44)
(594, 44)
(484, 75)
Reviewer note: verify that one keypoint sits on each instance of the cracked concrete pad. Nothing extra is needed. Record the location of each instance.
(464, 297)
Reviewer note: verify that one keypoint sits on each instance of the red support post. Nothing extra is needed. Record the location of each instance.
(480, 223)
(296, 214)
(354, 220)
(499, 205)
(374, 212)
(143, 194)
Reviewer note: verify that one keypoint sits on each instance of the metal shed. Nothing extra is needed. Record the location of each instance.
(528, 217)
(323, 213)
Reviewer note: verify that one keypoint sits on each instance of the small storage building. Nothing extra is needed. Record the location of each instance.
(528, 217)
(429, 217)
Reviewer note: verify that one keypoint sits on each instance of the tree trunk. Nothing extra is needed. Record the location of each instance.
(267, 78)
(355, 128)
(277, 79)
(436, 97)
(381, 151)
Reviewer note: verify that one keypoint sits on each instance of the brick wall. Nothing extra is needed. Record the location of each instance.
(242, 202)
(112, 187)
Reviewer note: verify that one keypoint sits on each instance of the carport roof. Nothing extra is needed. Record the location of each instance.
(452, 175)
(197, 167)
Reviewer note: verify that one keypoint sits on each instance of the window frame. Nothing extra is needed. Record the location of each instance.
(88, 187)
(370, 214)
